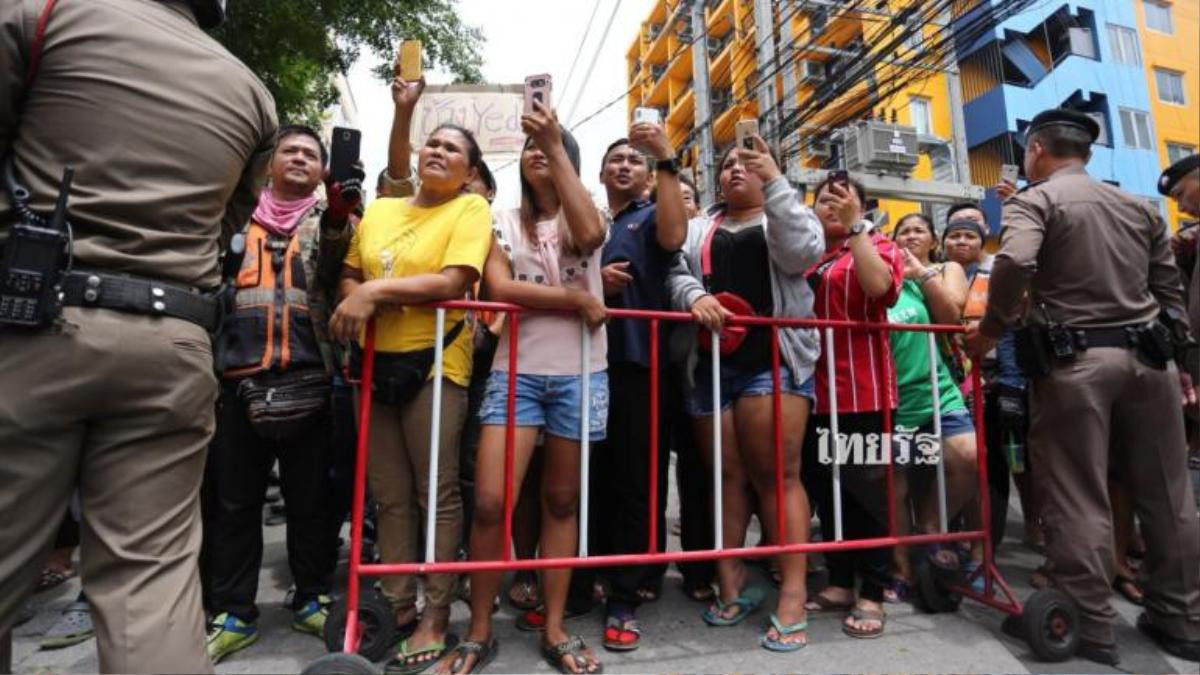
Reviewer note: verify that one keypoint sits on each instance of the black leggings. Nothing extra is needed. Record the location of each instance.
(864, 506)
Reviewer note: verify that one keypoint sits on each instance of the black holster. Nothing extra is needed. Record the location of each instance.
(1034, 354)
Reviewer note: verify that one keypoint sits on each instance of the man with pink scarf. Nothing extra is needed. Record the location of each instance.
(276, 336)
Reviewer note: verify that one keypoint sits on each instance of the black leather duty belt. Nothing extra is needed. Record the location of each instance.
(136, 295)
(1123, 337)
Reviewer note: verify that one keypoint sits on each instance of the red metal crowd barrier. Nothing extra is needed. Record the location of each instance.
(1008, 603)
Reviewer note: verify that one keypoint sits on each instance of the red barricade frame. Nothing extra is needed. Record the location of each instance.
(993, 581)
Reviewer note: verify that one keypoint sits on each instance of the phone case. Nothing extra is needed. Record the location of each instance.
(411, 67)
(744, 130)
(537, 88)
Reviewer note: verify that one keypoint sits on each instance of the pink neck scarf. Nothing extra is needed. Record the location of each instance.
(278, 216)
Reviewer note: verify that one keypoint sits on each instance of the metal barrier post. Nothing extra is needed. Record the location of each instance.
(886, 436)
(654, 449)
(435, 433)
(985, 493)
(777, 429)
(350, 642)
(835, 438)
(718, 499)
(510, 431)
(934, 359)
(585, 437)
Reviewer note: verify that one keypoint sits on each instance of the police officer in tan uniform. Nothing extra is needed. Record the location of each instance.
(1098, 268)
(168, 135)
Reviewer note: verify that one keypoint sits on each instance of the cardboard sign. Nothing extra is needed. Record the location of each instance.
(491, 112)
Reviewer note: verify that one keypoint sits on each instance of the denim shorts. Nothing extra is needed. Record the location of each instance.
(954, 423)
(548, 401)
(737, 382)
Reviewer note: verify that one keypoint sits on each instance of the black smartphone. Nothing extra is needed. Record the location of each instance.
(840, 176)
(344, 154)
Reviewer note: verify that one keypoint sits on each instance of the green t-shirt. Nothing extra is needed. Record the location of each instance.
(910, 350)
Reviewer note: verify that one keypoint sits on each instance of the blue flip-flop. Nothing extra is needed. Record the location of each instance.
(784, 631)
(751, 597)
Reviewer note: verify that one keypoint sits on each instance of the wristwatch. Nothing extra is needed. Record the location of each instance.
(859, 227)
(670, 165)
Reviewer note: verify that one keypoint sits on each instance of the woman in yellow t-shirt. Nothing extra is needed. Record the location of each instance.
(405, 253)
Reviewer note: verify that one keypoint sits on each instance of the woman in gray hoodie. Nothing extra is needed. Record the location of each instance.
(748, 255)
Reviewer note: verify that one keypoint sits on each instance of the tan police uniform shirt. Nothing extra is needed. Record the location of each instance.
(168, 133)
(1095, 255)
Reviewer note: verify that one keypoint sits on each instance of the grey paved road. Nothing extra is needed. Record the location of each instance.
(676, 640)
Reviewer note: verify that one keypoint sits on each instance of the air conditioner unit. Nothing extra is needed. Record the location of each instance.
(812, 71)
(879, 147)
(821, 149)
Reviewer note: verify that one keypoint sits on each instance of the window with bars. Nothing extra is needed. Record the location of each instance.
(1177, 151)
(1124, 44)
(1158, 16)
(1170, 86)
(1135, 128)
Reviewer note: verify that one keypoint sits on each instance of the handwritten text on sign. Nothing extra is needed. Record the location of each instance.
(493, 116)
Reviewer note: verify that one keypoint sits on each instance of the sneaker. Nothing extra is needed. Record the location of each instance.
(227, 634)
(311, 617)
(73, 626)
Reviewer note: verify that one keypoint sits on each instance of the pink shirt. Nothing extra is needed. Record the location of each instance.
(549, 344)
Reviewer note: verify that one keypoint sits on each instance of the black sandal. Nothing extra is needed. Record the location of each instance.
(555, 655)
(483, 653)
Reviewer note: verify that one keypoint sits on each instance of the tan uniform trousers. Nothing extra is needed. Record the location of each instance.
(1107, 399)
(398, 473)
(121, 406)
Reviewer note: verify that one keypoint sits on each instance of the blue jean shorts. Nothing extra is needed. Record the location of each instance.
(954, 423)
(737, 382)
(548, 401)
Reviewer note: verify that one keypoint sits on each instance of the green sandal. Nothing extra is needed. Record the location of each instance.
(751, 597)
(407, 662)
(779, 645)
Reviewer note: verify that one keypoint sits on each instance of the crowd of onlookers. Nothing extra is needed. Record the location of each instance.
(314, 268)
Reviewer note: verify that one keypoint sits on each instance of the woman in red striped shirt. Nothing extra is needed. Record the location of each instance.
(858, 278)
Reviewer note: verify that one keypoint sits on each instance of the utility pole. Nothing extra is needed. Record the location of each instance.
(786, 52)
(958, 122)
(703, 116)
(764, 28)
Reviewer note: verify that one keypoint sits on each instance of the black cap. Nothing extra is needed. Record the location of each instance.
(1176, 172)
(1064, 117)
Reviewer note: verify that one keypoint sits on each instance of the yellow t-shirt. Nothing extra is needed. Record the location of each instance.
(396, 240)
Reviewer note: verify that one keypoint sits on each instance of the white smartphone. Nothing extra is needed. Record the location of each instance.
(744, 130)
(649, 115)
(1009, 173)
(537, 88)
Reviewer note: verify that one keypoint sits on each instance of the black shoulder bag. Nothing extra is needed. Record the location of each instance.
(399, 376)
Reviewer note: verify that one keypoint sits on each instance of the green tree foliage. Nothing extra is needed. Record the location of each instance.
(297, 46)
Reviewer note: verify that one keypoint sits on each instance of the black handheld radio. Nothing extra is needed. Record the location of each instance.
(34, 258)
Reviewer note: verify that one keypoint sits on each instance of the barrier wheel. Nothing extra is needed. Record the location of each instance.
(931, 596)
(378, 627)
(1051, 622)
(341, 664)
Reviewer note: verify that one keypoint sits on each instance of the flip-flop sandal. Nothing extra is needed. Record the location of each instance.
(649, 592)
(860, 614)
(408, 662)
(937, 555)
(898, 592)
(1128, 587)
(820, 603)
(483, 653)
(701, 593)
(52, 578)
(621, 633)
(534, 620)
(523, 594)
(573, 647)
(779, 645)
(751, 597)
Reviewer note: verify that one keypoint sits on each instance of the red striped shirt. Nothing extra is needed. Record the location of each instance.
(862, 359)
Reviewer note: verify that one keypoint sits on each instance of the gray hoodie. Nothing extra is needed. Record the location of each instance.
(795, 241)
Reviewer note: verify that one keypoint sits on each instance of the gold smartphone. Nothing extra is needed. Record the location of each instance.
(745, 130)
(409, 66)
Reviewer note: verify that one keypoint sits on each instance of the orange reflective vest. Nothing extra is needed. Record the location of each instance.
(270, 327)
(977, 296)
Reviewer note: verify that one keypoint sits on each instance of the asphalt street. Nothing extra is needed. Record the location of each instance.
(675, 638)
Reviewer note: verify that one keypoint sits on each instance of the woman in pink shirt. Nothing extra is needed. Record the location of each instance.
(546, 256)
